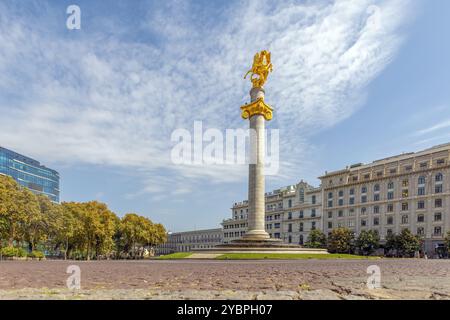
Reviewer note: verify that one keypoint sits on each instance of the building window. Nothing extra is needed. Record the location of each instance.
(404, 219)
(301, 195)
(341, 193)
(330, 224)
(301, 214)
(376, 197)
(390, 185)
(438, 203)
(423, 165)
(376, 221)
(289, 215)
(390, 207)
(421, 180)
(313, 225)
(376, 209)
(437, 231)
(376, 187)
(300, 239)
(439, 177)
(330, 214)
(301, 227)
(440, 162)
(405, 183)
(390, 195)
(421, 205)
(340, 213)
(421, 191)
(389, 231)
(290, 239)
(351, 200)
(352, 191)
(363, 223)
(420, 218)
(351, 223)
(390, 220)
(379, 173)
(351, 212)
(313, 199)
(313, 213)
(364, 189)
(363, 199)
(363, 210)
(438, 216)
(438, 188)
(420, 231)
(405, 193)
(405, 206)
(330, 195)
(290, 227)
(290, 203)
(330, 203)
(341, 202)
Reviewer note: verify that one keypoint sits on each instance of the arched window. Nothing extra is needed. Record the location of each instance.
(439, 177)
(421, 180)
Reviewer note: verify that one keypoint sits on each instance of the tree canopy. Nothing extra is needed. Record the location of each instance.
(86, 230)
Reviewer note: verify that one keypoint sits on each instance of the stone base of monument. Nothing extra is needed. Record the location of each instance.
(255, 246)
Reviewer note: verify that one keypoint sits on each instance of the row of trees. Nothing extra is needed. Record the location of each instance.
(343, 240)
(86, 230)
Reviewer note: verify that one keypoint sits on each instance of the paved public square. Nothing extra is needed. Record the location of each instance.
(188, 279)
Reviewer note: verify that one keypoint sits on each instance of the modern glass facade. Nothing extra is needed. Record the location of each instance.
(30, 173)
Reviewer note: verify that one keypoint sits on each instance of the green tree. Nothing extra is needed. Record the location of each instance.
(341, 240)
(316, 239)
(18, 209)
(368, 241)
(408, 243)
(447, 242)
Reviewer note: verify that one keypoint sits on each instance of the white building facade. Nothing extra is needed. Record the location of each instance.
(191, 240)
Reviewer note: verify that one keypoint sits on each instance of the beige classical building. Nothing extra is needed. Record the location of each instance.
(191, 240)
(410, 190)
(290, 214)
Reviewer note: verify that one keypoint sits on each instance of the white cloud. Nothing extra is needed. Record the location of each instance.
(441, 125)
(102, 98)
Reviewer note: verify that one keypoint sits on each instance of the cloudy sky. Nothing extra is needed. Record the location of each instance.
(354, 81)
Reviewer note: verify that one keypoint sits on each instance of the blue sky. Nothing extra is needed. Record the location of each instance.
(354, 81)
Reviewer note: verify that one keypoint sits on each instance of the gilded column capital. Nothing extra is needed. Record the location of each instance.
(257, 107)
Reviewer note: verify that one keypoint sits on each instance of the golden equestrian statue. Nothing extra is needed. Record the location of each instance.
(260, 69)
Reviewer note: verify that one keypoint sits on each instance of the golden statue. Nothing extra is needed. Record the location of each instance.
(260, 68)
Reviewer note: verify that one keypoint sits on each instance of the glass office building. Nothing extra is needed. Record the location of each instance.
(30, 173)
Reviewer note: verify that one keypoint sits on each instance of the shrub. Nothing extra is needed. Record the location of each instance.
(13, 252)
(36, 254)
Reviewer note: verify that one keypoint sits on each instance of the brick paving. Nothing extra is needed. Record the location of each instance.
(290, 279)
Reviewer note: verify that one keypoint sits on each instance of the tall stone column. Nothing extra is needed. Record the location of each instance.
(256, 181)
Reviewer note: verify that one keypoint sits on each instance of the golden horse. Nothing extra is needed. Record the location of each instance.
(260, 68)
